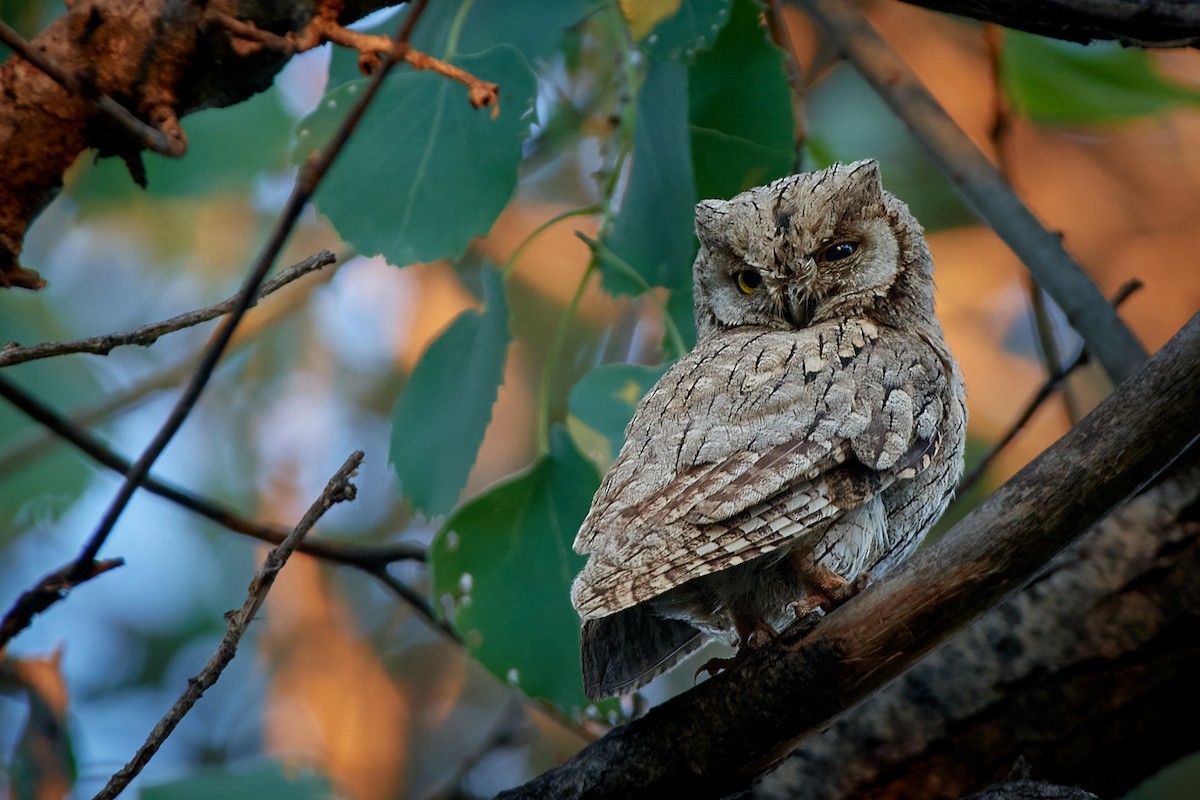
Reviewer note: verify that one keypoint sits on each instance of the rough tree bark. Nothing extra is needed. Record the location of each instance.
(1144, 23)
(1088, 674)
(160, 59)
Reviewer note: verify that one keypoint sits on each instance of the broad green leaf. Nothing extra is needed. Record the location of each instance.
(689, 30)
(740, 109)
(1060, 83)
(228, 148)
(601, 404)
(424, 172)
(438, 423)
(534, 27)
(502, 571)
(267, 782)
(653, 231)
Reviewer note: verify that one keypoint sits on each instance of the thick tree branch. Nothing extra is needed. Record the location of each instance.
(982, 186)
(719, 737)
(1145, 23)
(147, 335)
(157, 61)
(338, 490)
(1087, 675)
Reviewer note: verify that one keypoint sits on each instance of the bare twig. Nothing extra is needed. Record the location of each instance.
(374, 560)
(148, 334)
(338, 490)
(982, 185)
(20, 454)
(364, 557)
(314, 169)
(325, 28)
(715, 739)
(48, 591)
(172, 144)
(1055, 380)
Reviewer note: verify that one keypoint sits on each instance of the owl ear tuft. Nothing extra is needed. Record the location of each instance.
(862, 179)
(709, 214)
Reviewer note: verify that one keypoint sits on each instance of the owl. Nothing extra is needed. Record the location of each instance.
(806, 444)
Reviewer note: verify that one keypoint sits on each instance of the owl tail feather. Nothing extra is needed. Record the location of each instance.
(626, 650)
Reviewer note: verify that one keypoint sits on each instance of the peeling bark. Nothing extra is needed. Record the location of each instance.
(161, 59)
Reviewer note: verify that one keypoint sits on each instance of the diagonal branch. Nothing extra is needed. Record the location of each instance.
(149, 334)
(1146, 23)
(324, 27)
(172, 146)
(367, 558)
(982, 186)
(314, 169)
(46, 592)
(717, 738)
(338, 490)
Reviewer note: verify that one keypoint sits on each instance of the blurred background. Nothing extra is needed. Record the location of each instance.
(340, 687)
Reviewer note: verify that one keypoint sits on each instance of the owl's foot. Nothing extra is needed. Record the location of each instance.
(825, 589)
(715, 665)
(752, 634)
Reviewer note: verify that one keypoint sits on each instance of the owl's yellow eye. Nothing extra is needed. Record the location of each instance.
(836, 252)
(748, 280)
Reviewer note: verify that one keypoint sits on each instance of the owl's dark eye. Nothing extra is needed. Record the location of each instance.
(836, 252)
(749, 280)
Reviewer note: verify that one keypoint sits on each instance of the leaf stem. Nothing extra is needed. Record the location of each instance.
(511, 262)
(556, 347)
(456, 30)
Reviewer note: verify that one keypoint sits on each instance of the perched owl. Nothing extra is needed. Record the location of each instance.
(813, 435)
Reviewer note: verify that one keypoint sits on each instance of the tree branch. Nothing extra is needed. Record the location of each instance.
(311, 173)
(338, 490)
(159, 59)
(1088, 674)
(1148, 23)
(149, 137)
(48, 591)
(369, 559)
(982, 186)
(717, 738)
(146, 335)
(325, 28)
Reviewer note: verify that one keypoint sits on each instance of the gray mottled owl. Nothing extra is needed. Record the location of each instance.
(815, 433)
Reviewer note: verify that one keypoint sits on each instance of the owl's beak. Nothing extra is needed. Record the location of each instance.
(799, 302)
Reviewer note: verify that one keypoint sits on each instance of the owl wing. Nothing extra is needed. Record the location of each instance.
(750, 442)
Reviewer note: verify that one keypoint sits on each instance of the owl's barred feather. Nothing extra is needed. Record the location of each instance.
(814, 433)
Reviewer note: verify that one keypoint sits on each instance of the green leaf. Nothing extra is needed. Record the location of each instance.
(653, 231)
(601, 404)
(502, 570)
(1060, 83)
(424, 172)
(689, 30)
(740, 109)
(439, 421)
(267, 782)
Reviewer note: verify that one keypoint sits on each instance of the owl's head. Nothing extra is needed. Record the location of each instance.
(808, 248)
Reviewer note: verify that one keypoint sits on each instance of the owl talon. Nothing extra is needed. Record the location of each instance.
(714, 666)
